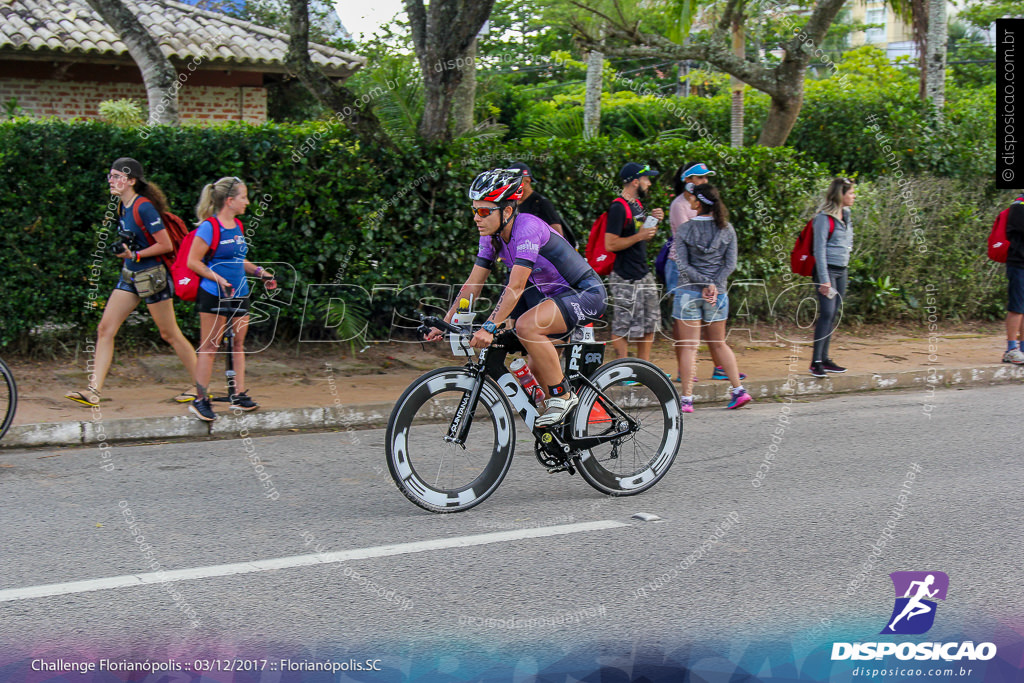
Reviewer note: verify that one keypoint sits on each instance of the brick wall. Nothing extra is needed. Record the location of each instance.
(196, 104)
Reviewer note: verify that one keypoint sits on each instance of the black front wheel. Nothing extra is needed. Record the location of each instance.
(436, 474)
(635, 462)
(8, 398)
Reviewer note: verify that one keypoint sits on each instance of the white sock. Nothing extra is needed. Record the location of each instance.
(689, 399)
(736, 390)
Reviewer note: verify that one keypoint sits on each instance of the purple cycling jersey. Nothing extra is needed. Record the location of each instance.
(557, 267)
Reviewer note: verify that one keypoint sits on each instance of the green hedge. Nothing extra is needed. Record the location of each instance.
(339, 213)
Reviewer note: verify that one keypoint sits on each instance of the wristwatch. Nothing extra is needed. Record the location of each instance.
(489, 326)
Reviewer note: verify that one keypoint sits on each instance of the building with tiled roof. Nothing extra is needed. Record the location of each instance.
(59, 58)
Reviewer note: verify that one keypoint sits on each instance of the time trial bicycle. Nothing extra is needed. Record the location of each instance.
(8, 398)
(451, 436)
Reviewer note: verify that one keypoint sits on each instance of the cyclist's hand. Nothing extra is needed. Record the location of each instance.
(126, 254)
(658, 213)
(434, 334)
(481, 339)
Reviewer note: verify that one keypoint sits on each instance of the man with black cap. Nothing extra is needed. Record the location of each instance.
(536, 204)
(633, 290)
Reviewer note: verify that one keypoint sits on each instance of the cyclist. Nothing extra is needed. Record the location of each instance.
(551, 289)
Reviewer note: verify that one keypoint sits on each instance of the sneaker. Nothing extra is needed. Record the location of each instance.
(719, 373)
(242, 401)
(817, 369)
(1014, 356)
(202, 409)
(740, 398)
(558, 408)
(829, 365)
(686, 405)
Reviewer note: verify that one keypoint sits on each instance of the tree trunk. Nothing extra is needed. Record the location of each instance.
(592, 100)
(348, 109)
(158, 74)
(681, 82)
(782, 114)
(442, 35)
(782, 83)
(935, 58)
(736, 119)
(465, 94)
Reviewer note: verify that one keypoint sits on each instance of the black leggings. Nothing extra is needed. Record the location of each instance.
(830, 312)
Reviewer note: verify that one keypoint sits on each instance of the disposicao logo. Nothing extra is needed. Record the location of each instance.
(912, 614)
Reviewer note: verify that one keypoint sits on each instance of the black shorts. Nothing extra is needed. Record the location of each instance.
(584, 304)
(206, 302)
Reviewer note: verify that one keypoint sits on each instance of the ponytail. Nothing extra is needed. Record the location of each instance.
(213, 196)
(711, 203)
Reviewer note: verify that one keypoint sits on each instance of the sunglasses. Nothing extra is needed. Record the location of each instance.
(482, 211)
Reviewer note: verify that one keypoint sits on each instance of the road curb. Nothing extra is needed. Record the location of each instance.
(363, 416)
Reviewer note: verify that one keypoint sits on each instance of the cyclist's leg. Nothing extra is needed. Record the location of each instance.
(533, 329)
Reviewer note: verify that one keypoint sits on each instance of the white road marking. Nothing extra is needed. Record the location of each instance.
(131, 580)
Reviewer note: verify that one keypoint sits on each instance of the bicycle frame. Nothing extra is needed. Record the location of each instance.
(491, 363)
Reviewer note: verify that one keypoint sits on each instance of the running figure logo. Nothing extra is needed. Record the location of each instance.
(913, 613)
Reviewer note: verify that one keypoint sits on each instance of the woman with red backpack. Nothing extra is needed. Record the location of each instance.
(144, 277)
(218, 256)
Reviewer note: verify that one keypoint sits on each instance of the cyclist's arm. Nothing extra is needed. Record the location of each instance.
(474, 285)
(517, 282)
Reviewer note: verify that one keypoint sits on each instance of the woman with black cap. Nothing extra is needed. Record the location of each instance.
(143, 276)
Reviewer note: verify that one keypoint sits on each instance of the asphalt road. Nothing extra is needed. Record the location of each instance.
(739, 567)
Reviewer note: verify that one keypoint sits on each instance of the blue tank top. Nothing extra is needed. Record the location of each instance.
(228, 258)
(151, 218)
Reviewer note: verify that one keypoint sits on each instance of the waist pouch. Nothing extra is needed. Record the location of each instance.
(149, 281)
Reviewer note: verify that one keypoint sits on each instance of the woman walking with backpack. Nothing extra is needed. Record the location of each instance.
(706, 256)
(143, 276)
(833, 242)
(218, 256)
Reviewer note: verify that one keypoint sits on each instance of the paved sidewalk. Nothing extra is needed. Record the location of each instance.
(336, 391)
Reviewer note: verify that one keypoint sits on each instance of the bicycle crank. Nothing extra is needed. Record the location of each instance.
(553, 453)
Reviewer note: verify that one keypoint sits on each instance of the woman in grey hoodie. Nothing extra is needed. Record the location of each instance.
(833, 242)
(706, 256)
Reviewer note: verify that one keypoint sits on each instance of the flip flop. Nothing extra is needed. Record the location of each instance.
(185, 397)
(90, 397)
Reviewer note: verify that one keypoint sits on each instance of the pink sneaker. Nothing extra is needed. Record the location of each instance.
(686, 405)
(739, 399)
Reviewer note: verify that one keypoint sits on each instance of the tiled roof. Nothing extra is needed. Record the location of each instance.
(45, 27)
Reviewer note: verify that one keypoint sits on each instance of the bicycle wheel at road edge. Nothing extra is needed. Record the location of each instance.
(636, 462)
(437, 475)
(8, 398)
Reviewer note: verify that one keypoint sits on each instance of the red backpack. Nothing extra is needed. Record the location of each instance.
(998, 245)
(175, 227)
(801, 259)
(186, 282)
(598, 256)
